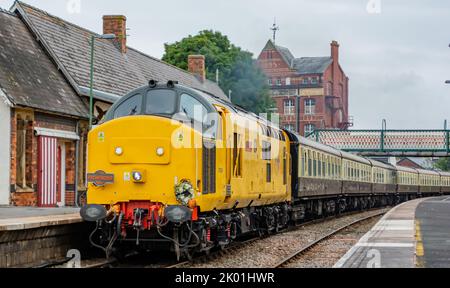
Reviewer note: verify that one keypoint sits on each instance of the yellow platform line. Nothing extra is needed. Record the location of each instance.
(419, 246)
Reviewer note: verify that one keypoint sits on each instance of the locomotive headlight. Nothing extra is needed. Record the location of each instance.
(118, 151)
(160, 151)
(137, 176)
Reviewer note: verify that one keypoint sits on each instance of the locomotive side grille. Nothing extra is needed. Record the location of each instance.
(209, 167)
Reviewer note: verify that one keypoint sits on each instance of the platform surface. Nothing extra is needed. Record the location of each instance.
(433, 233)
(18, 218)
(413, 234)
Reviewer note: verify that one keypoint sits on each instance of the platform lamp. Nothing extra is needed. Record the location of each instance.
(91, 84)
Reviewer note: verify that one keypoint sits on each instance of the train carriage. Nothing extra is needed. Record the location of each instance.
(429, 182)
(384, 178)
(407, 181)
(445, 182)
(319, 170)
(356, 174)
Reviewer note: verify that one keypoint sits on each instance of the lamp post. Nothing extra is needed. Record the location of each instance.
(91, 84)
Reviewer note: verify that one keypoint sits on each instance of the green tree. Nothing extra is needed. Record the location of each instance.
(238, 70)
(443, 164)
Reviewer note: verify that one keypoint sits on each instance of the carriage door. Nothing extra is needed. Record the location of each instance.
(47, 182)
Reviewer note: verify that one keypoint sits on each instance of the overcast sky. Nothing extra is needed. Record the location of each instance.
(395, 52)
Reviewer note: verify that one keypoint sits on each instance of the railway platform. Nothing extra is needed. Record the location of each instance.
(414, 234)
(18, 218)
(32, 236)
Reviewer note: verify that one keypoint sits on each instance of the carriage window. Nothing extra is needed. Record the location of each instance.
(161, 101)
(131, 106)
(309, 164)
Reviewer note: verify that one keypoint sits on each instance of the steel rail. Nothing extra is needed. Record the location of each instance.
(304, 249)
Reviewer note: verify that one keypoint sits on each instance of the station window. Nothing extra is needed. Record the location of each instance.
(310, 106)
(278, 82)
(269, 81)
(289, 106)
(23, 153)
(309, 128)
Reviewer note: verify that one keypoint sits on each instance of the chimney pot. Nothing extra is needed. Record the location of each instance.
(117, 25)
(196, 66)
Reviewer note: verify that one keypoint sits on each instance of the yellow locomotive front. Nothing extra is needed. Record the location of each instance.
(161, 169)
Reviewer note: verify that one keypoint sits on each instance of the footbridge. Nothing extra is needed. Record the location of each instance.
(384, 142)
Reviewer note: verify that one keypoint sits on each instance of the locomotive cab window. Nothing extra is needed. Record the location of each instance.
(192, 108)
(196, 111)
(131, 106)
(161, 102)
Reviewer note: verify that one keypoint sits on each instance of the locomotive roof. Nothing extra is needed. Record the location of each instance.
(210, 98)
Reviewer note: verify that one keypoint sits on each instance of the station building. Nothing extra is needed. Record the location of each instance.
(44, 99)
(310, 92)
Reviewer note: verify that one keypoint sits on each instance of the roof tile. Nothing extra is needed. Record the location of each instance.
(28, 76)
(115, 73)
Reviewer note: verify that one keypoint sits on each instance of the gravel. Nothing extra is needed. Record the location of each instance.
(267, 252)
(327, 253)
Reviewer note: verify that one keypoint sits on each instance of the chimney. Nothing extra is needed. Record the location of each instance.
(335, 51)
(117, 25)
(335, 68)
(196, 66)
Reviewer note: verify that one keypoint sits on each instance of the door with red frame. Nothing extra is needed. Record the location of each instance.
(48, 171)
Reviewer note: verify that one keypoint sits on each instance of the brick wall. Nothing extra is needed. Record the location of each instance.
(29, 196)
(24, 196)
(34, 247)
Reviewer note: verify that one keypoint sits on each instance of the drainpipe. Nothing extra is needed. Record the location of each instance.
(77, 146)
(297, 118)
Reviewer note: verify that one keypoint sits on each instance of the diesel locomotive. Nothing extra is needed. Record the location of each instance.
(171, 167)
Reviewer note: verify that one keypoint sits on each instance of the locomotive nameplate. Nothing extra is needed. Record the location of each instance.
(100, 178)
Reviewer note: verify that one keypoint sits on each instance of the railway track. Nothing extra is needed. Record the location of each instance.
(293, 256)
(214, 254)
(217, 254)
